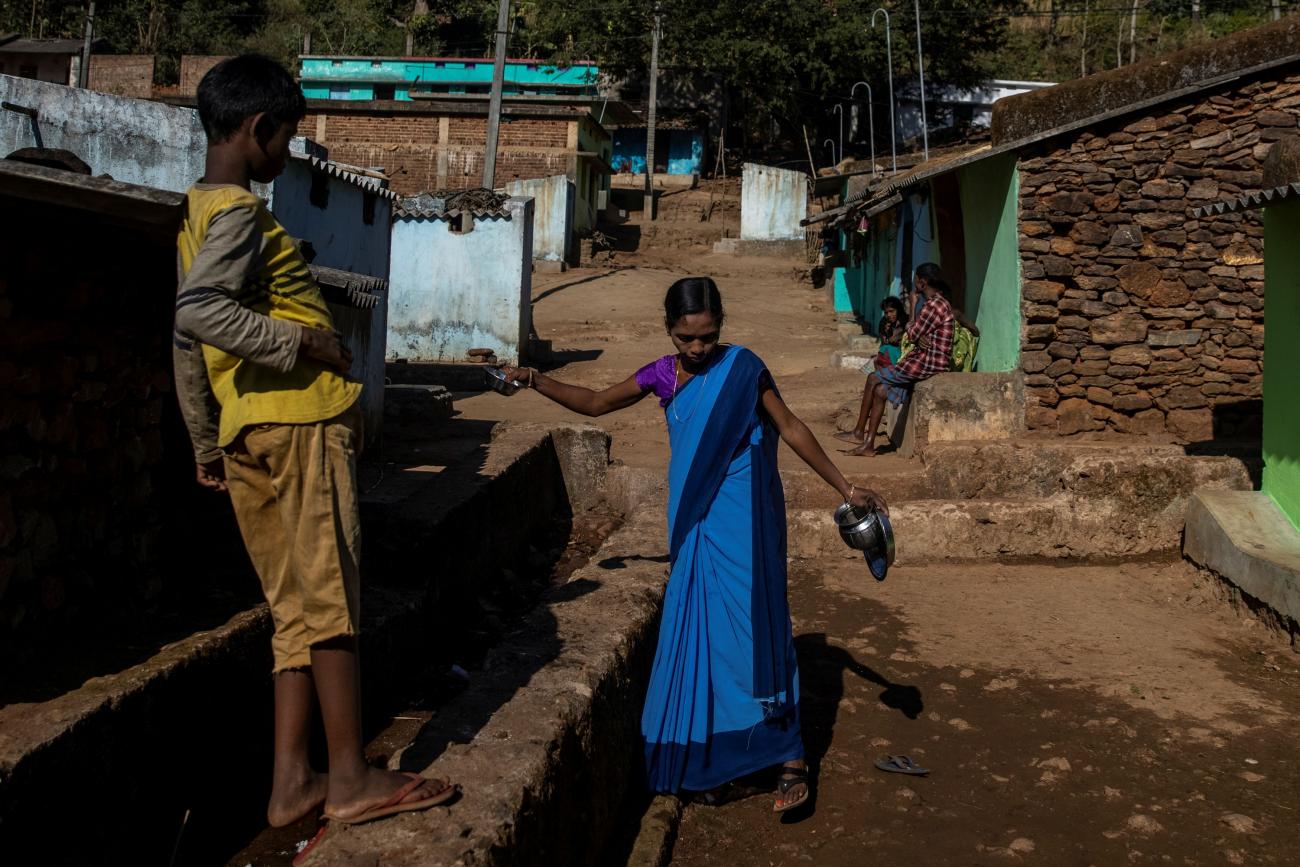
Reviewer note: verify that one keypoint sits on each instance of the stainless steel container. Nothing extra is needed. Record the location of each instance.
(498, 382)
(868, 531)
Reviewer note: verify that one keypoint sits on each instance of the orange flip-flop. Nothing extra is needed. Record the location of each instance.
(396, 805)
(306, 850)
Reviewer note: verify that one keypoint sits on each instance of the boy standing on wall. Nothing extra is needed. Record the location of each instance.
(262, 380)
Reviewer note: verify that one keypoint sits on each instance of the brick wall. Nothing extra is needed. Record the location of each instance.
(100, 519)
(122, 74)
(193, 68)
(1139, 319)
(411, 147)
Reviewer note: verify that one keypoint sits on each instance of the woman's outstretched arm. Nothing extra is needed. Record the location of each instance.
(801, 440)
(575, 397)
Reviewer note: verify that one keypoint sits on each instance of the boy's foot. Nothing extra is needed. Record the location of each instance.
(383, 793)
(849, 436)
(865, 450)
(289, 803)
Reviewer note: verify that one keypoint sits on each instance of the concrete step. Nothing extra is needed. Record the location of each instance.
(1042, 499)
(863, 344)
(849, 359)
(848, 329)
(419, 405)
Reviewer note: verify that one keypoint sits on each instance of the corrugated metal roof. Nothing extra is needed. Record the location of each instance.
(349, 288)
(453, 203)
(891, 188)
(371, 182)
(1250, 201)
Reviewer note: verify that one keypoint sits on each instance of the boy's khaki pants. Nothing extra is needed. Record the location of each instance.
(294, 489)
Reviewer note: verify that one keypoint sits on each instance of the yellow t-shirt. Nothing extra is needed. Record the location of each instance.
(248, 256)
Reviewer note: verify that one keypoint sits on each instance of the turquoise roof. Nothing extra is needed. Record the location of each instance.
(356, 77)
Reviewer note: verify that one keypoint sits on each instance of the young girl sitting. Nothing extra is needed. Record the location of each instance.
(893, 325)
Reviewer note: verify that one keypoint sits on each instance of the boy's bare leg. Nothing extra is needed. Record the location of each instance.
(354, 786)
(296, 789)
(879, 397)
(858, 434)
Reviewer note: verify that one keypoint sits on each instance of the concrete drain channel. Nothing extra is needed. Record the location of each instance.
(509, 618)
(513, 589)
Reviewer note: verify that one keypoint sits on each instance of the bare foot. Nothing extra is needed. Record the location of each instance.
(290, 802)
(866, 450)
(376, 788)
(849, 436)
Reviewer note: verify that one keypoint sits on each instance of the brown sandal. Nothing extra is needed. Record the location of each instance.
(791, 777)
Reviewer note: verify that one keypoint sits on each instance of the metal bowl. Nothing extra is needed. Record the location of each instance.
(497, 382)
(868, 531)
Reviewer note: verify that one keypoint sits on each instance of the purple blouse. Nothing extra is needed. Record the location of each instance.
(659, 376)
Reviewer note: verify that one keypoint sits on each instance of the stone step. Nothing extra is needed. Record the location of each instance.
(863, 344)
(848, 359)
(420, 405)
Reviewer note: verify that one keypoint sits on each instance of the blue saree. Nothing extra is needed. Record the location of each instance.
(724, 689)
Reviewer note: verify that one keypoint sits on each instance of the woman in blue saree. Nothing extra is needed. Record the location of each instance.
(724, 689)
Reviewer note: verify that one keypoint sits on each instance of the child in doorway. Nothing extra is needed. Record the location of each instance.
(261, 376)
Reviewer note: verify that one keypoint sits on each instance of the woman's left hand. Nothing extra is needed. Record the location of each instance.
(865, 498)
(521, 375)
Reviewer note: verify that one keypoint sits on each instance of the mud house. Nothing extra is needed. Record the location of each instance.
(461, 277)
(1069, 239)
(1252, 538)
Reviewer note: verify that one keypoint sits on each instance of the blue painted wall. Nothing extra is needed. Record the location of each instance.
(553, 209)
(684, 149)
(450, 293)
(356, 78)
(134, 140)
(342, 239)
(773, 202)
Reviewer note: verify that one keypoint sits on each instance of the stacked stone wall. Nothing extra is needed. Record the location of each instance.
(1138, 318)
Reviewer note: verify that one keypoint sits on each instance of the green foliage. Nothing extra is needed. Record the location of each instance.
(782, 61)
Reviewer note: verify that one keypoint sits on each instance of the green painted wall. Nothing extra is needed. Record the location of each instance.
(1282, 357)
(989, 192)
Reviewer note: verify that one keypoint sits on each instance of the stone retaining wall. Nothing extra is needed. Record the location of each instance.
(1137, 318)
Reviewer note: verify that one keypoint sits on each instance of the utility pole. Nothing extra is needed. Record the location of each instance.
(920, 65)
(1277, 9)
(494, 101)
(889, 60)
(649, 204)
(83, 74)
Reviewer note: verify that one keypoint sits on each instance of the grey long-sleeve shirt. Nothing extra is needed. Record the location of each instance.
(212, 308)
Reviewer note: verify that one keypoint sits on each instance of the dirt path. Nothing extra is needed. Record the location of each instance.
(1087, 715)
(607, 322)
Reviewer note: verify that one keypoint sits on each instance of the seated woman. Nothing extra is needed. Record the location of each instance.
(932, 335)
(892, 327)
